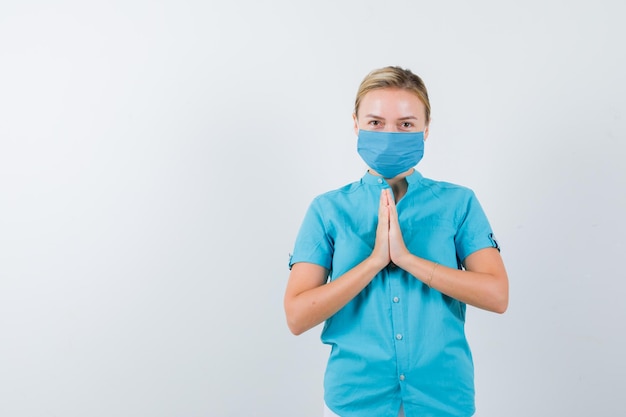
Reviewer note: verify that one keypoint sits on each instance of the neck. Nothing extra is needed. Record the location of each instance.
(399, 184)
(399, 187)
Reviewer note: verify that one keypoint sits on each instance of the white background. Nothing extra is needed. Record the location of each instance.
(157, 158)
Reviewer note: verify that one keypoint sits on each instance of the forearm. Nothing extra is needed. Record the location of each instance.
(309, 308)
(487, 290)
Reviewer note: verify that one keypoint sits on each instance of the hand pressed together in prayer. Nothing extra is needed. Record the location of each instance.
(389, 246)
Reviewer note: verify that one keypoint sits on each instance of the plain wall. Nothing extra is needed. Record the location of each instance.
(157, 158)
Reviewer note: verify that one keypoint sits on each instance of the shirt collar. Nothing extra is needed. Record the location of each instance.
(370, 179)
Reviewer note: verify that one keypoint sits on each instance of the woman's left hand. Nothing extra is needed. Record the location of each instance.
(482, 283)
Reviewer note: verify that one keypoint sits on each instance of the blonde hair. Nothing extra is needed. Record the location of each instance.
(393, 77)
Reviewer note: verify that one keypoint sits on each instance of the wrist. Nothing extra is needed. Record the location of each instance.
(429, 280)
(402, 260)
(376, 263)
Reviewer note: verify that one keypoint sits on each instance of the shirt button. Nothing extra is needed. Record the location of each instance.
(396, 299)
(402, 377)
(380, 180)
(399, 336)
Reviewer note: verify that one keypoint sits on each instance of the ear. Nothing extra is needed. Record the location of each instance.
(426, 130)
(356, 124)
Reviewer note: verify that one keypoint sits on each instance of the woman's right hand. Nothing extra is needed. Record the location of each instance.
(310, 299)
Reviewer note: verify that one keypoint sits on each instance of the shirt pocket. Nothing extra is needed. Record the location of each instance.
(431, 238)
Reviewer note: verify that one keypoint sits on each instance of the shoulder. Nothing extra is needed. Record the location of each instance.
(446, 190)
(338, 194)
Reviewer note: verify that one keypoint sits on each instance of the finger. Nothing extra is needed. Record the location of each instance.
(381, 204)
(394, 222)
(394, 227)
(384, 198)
(383, 208)
(390, 199)
(392, 206)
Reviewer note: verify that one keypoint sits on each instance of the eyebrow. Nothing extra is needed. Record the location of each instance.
(373, 116)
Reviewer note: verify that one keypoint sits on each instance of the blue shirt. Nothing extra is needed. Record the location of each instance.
(398, 341)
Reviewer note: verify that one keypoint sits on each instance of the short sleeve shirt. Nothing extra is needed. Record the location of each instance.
(398, 341)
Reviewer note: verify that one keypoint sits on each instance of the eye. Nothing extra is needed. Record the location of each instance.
(407, 125)
(374, 123)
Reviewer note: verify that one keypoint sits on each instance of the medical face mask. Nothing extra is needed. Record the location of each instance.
(390, 153)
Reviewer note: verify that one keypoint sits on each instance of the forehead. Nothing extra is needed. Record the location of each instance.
(393, 101)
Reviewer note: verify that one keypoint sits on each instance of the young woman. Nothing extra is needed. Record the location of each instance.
(389, 263)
